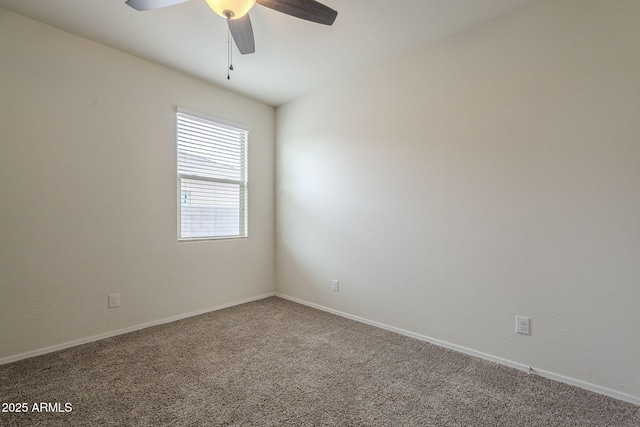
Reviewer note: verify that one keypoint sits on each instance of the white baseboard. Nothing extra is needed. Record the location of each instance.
(126, 330)
(546, 374)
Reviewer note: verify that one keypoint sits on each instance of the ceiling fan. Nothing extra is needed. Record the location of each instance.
(236, 12)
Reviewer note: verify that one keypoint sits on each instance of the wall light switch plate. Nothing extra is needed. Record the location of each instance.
(114, 300)
(522, 325)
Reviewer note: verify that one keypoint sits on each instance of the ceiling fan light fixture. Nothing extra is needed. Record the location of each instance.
(231, 9)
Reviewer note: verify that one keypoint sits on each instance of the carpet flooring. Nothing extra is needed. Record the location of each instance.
(277, 363)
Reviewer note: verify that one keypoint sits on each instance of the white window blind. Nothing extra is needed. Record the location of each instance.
(212, 179)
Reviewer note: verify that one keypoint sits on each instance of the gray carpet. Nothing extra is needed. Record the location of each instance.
(274, 362)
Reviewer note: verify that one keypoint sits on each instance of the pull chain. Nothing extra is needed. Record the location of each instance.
(229, 55)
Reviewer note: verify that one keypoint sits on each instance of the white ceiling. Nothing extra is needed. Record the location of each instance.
(293, 57)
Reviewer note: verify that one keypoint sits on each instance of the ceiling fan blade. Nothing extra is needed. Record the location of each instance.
(242, 33)
(310, 10)
(152, 4)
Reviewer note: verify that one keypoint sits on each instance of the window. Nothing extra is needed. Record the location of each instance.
(212, 179)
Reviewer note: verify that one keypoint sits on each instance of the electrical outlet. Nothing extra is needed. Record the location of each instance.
(522, 325)
(336, 286)
(114, 300)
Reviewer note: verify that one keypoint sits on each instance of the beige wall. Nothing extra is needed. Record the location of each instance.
(88, 193)
(491, 175)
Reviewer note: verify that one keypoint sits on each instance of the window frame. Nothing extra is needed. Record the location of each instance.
(243, 182)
